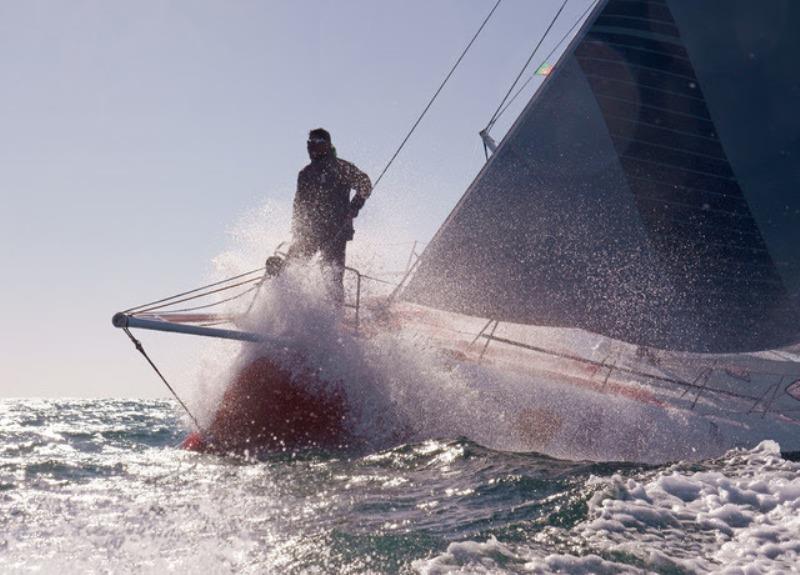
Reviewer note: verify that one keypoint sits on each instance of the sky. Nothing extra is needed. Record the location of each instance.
(135, 137)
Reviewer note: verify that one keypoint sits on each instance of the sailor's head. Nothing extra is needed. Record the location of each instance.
(319, 143)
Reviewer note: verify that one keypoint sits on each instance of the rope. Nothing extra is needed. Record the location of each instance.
(212, 304)
(379, 280)
(140, 347)
(194, 297)
(138, 308)
(435, 95)
(546, 58)
(525, 67)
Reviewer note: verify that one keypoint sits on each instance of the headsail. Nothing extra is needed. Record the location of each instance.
(649, 192)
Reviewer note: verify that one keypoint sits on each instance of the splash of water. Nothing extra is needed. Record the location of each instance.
(400, 387)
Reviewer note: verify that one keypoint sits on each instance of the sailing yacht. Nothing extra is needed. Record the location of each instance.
(634, 237)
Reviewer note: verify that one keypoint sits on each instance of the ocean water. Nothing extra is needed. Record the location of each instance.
(98, 486)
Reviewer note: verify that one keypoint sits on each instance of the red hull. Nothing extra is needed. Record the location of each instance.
(267, 409)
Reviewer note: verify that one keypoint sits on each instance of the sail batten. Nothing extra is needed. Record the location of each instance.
(648, 192)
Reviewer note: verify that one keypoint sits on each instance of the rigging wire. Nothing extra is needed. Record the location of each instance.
(436, 94)
(212, 304)
(190, 298)
(546, 58)
(138, 308)
(525, 67)
(140, 348)
(378, 280)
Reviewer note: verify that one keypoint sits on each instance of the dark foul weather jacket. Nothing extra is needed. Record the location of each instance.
(322, 201)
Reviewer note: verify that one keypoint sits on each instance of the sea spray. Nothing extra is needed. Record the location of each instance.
(402, 386)
(396, 390)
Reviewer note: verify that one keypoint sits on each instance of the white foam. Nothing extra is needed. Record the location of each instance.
(493, 556)
(742, 518)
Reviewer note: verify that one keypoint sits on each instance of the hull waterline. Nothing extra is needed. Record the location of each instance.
(269, 408)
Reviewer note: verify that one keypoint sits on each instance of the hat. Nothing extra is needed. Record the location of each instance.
(320, 133)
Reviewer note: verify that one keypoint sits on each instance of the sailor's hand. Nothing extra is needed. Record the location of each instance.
(273, 266)
(355, 206)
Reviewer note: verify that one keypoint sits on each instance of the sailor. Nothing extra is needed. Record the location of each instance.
(323, 209)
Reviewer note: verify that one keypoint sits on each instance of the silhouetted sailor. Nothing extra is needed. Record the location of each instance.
(323, 209)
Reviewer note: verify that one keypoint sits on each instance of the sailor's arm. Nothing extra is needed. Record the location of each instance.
(360, 182)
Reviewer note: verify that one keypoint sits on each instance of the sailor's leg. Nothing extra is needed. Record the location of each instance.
(333, 257)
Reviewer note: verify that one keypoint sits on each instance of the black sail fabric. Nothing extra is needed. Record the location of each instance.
(649, 192)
